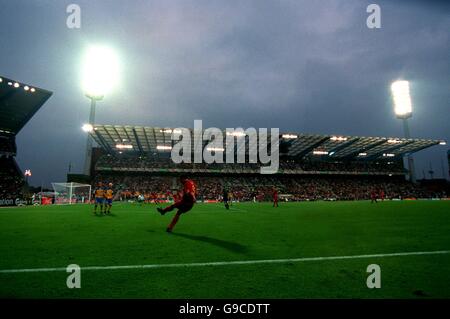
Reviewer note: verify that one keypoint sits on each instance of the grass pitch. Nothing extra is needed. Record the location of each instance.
(56, 236)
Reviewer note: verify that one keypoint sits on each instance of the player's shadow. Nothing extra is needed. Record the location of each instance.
(229, 245)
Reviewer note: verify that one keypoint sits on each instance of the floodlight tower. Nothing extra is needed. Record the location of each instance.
(88, 128)
(403, 111)
(100, 75)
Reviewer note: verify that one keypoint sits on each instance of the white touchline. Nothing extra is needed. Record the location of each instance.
(229, 263)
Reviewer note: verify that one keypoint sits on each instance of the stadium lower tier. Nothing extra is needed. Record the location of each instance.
(11, 180)
(261, 187)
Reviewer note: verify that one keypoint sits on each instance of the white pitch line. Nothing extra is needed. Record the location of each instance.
(229, 263)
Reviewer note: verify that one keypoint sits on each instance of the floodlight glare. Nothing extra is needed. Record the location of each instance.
(100, 72)
(402, 99)
(16, 85)
(87, 128)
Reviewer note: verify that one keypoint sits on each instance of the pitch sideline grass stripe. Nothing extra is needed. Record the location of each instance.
(229, 263)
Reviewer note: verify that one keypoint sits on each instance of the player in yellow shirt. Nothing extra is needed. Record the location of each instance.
(99, 194)
(108, 198)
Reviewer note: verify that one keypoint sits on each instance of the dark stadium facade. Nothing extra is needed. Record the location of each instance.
(18, 103)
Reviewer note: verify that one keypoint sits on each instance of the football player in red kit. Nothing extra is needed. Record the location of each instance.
(373, 197)
(275, 197)
(382, 195)
(183, 204)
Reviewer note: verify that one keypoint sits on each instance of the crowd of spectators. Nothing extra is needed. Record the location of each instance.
(261, 187)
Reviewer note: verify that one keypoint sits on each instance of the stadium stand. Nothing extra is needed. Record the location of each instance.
(346, 168)
(18, 103)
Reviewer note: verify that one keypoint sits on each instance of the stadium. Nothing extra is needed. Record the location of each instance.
(325, 183)
(345, 215)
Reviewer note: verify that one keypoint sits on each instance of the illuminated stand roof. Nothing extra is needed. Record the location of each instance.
(156, 141)
(18, 103)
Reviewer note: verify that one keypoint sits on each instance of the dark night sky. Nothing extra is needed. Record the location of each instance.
(304, 66)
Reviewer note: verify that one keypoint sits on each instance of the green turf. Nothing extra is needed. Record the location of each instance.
(56, 236)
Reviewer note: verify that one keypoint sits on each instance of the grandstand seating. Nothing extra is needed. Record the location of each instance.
(288, 166)
(136, 159)
(11, 180)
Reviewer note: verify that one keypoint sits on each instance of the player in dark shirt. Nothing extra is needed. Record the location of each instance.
(225, 198)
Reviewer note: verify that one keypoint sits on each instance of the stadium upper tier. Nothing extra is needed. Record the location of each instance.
(18, 103)
(157, 142)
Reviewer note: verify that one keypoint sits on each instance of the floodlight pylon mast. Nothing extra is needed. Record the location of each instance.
(409, 158)
(88, 156)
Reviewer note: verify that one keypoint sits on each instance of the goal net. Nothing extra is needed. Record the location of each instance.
(71, 193)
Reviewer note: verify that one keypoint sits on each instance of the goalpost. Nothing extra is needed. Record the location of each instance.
(72, 193)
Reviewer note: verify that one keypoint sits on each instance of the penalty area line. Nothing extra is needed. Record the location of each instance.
(229, 263)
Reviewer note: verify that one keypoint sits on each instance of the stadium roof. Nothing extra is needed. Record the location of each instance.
(156, 141)
(18, 103)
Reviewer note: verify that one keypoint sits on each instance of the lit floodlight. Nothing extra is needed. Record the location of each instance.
(16, 85)
(9, 83)
(1, 80)
(388, 155)
(402, 99)
(32, 89)
(236, 134)
(26, 87)
(393, 141)
(338, 138)
(170, 131)
(124, 146)
(289, 136)
(362, 154)
(163, 147)
(87, 128)
(320, 152)
(100, 73)
(331, 154)
(442, 143)
(215, 149)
